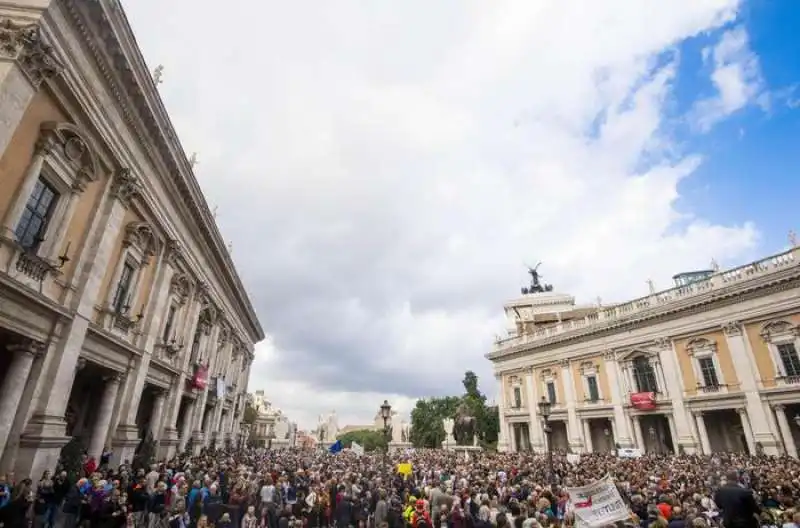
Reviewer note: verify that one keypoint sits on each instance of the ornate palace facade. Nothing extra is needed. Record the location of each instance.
(709, 365)
(121, 314)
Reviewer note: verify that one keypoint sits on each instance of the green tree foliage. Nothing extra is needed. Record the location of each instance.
(426, 420)
(427, 415)
(370, 440)
(71, 457)
(250, 414)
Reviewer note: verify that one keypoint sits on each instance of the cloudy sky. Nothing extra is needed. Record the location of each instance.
(384, 169)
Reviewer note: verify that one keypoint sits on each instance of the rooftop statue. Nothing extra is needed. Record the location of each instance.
(536, 285)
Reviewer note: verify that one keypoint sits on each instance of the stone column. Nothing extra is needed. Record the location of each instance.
(747, 373)
(705, 444)
(104, 413)
(672, 431)
(537, 443)
(587, 436)
(186, 427)
(25, 63)
(673, 378)
(157, 415)
(622, 433)
(14, 385)
(786, 431)
(637, 431)
(748, 431)
(502, 439)
(573, 424)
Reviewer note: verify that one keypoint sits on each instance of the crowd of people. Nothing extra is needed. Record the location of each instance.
(316, 489)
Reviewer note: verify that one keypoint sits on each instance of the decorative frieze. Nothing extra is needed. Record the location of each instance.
(775, 329)
(181, 287)
(24, 44)
(174, 253)
(732, 328)
(126, 187)
(140, 235)
(662, 343)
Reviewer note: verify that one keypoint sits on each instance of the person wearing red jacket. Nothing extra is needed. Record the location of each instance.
(420, 515)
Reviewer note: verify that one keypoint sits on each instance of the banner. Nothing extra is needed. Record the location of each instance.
(404, 469)
(357, 448)
(598, 504)
(220, 387)
(200, 378)
(644, 401)
(629, 452)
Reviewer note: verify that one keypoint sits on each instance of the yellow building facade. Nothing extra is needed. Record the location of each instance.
(121, 314)
(710, 365)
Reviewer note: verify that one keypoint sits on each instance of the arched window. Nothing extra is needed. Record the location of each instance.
(644, 375)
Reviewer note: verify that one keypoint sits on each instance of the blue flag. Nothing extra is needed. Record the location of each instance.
(336, 447)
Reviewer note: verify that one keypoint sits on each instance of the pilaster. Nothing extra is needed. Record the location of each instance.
(534, 426)
(26, 61)
(747, 372)
(44, 436)
(674, 379)
(502, 441)
(622, 432)
(786, 431)
(573, 426)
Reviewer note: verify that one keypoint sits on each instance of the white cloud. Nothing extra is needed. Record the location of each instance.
(385, 170)
(736, 78)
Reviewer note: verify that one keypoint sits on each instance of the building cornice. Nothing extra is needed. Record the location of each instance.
(734, 293)
(104, 28)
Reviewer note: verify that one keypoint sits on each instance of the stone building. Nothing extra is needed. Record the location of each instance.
(709, 365)
(271, 428)
(121, 314)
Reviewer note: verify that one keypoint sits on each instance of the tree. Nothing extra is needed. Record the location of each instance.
(369, 439)
(250, 414)
(426, 420)
(470, 382)
(145, 453)
(427, 415)
(71, 459)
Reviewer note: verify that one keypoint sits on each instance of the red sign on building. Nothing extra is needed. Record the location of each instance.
(644, 401)
(200, 379)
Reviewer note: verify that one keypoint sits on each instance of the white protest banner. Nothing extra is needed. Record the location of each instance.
(598, 504)
(573, 458)
(629, 452)
(356, 448)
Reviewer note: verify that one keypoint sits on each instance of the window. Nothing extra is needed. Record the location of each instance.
(551, 392)
(592, 388)
(644, 375)
(173, 310)
(517, 398)
(708, 371)
(36, 215)
(121, 302)
(789, 359)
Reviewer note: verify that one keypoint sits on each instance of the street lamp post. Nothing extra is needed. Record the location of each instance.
(386, 415)
(544, 411)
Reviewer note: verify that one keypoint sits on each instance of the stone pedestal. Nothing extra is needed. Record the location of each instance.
(198, 442)
(124, 443)
(40, 445)
(399, 447)
(168, 445)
